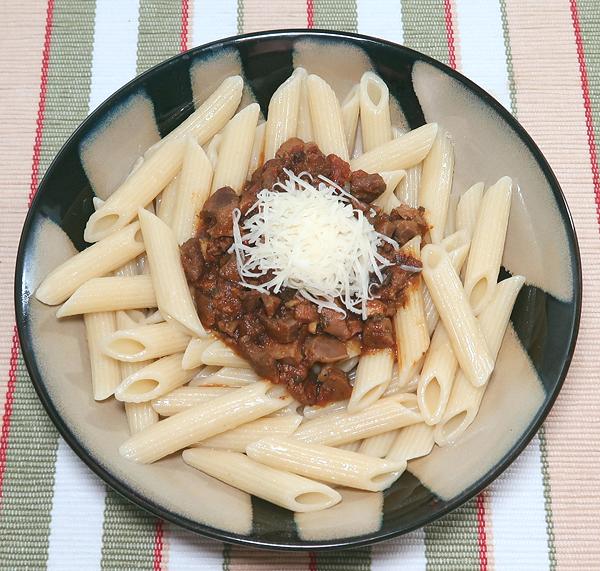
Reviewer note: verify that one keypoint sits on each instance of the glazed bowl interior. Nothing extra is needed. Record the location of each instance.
(489, 143)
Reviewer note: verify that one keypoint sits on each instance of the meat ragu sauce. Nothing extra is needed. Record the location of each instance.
(284, 336)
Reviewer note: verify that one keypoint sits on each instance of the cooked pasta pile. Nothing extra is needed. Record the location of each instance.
(185, 390)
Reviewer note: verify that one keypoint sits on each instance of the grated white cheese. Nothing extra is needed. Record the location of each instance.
(310, 239)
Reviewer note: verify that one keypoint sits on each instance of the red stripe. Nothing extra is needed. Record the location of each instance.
(587, 105)
(450, 33)
(481, 535)
(312, 561)
(310, 14)
(185, 16)
(158, 546)
(35, 169)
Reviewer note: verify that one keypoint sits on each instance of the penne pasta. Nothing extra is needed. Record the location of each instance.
(487, 245)
(201, 422)
(327, 122)
(168, 201)
(304, 128)
(172, 293)
(401, 153)
(212, 150)
(373, 375)
(162, 162)
(203, 373)
(378, 446)
(236, 148)
(220, 354)
(231, 377)
(282, 117)
(456, 314)
(342, 427)
(106, 374)
(451, 217)
(153, 318)
(127, 270)
(110, 294)
(239, 438)
(140, 415)
(186, 397)
(192, 191)
(192, 357)
(375, 122)
(385, 201)
(145, 342)
(403, 381)
(408, 191)
(315, 411)
(350, 446)
(436, 184)
(283, 489)
(437, 376)
(467, 209)
(412, 442)
(326, 464)
(465, 398)
(156, 379)
(97, 260)
(257, 156)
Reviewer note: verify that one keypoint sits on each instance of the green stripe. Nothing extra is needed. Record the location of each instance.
(159, 32)
(425, 27)
(509, 63)
(450, 543)
(33, 440)
(128, 535)
(355, 560)
(336, 15)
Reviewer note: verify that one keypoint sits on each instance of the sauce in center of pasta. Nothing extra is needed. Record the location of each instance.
(290, 337)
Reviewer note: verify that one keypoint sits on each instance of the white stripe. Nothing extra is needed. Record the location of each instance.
(189, 551)
(115, 47)
(481, 43)
(381, 18)
(75, 540)
(406, 553)
(213, 20)
(518, 514)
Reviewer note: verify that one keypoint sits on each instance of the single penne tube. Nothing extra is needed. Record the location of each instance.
(235, 149)
(326, 113)
(283, 489)
(375, 122)
(97, 260)
(145, 342)
(201, 422)
(192, 358)
(467, 209)
(465, 398)
(412, 442)
(106, 374)
(436, 184)
(343, 427)
(153, 318)
(347, 364)
(212, 150)
(401, 153)
(282, 116)
(220, 354)
(437, 376)
(110, 294)
(408, 190)
(350, 112)
(162, 162)
(487, 245)
(239, 438)
(373, 375)
(350, 446)
(168, 201)
(410, 322)
(378, 446)
(257, 156)
(158, 378)
(392, 180)
(202, 374)
(431, 314)
(451, 216)
(186, 397)
(326, 464)
(404, 380)
(192, 191)
(140, 415)
(172, 292)
(456, 314)
(304, 128)
(313, 411)
(231, 377)
(129, 320)
(126, 270)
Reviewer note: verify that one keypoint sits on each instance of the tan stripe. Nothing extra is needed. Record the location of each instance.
(549, 99)
(259, 15)
(22, 27)
(242, 559)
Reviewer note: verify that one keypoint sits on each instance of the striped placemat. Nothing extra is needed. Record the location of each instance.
(541, 58)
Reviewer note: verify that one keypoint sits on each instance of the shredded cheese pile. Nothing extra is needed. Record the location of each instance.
(310, 238)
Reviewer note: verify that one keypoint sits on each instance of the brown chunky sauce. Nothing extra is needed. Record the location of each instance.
(284, 337)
